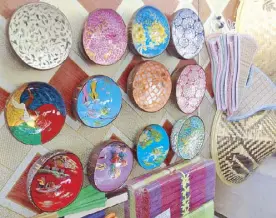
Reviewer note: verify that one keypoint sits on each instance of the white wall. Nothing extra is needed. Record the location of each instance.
(255, 198)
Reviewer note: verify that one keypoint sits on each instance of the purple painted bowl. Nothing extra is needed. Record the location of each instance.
(104, 36)
(187, 33)
(110, 165)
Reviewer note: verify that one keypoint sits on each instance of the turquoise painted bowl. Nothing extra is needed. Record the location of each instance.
(153, 146)
(98, 101)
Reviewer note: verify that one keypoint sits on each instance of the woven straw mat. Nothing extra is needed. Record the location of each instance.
(238, 148)
(257, 18)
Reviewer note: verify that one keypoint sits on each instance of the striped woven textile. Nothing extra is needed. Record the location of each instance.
(179, 189)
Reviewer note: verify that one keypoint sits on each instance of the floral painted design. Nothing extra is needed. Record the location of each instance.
(157, 33)
(150, 31)
(99, 102)
(104, 36)
(152, 147)
(185, 182)
(139, 33)
(190, 138)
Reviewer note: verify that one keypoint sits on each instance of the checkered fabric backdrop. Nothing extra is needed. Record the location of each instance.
(16, 158)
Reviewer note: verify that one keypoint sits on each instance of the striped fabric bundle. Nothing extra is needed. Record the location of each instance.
(240, 88)
(177, 190)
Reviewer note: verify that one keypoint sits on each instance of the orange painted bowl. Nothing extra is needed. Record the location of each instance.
(110, 165)
(55, 180)
(150, 86)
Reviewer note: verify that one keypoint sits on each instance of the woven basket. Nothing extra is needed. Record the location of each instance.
(238, 148)
(262, 27)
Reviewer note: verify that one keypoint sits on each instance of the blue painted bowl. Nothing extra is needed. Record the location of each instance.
(150, 31)
(153, 146)
(98, 101)
(190, 137)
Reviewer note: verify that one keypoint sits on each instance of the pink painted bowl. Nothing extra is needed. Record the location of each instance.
(190, 88)
(104, 36)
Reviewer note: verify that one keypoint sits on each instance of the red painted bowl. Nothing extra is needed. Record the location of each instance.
(55, 180)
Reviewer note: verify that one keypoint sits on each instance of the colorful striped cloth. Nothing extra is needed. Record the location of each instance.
(181, 188)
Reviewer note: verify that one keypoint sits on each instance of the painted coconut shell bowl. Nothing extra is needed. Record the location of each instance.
(98, 101)
(35, 113)
(109, 165)
(40, 35)
(149, 86)
(152, 147)
(190, 88)
(149, 31)
(187, 33)
(55, 180)
(104, 36)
